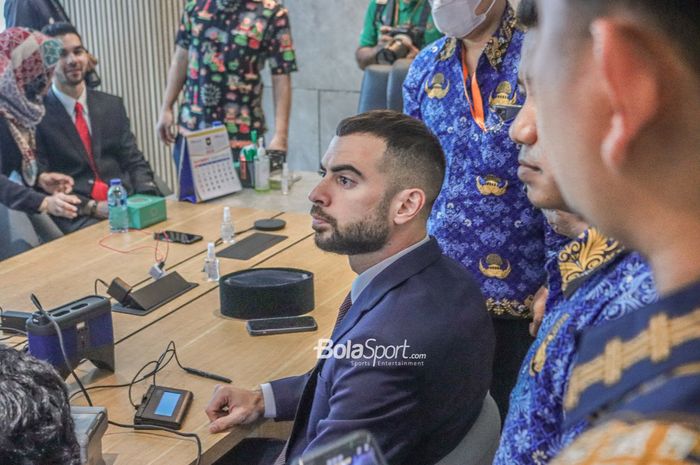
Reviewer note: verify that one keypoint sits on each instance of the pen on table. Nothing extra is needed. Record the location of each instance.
(206, 374)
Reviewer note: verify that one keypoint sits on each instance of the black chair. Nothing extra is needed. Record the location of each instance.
(382, 86)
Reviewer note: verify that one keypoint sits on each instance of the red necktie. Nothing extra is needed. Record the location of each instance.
(83, 131)
(99, 188)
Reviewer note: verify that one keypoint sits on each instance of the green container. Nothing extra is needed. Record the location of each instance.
(145, 210)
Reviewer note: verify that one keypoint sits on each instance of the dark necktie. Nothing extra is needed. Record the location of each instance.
(311, 384)
(343, 310)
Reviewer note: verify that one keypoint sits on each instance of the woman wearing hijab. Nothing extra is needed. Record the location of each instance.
(27, 60)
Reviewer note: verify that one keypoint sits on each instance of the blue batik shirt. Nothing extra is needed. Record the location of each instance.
(599, 282)
(638, 378)
(646, 365)
(482, 217)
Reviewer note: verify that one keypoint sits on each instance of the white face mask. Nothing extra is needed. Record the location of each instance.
(457, 18)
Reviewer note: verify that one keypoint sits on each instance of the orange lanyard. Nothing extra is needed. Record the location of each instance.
(477, 109)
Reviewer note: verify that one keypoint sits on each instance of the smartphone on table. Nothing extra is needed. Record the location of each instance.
(285, 324)
(177, 236)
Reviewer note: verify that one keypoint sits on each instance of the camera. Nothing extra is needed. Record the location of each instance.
(397, 48)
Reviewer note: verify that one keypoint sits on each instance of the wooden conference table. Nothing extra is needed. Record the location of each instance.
(66, 269)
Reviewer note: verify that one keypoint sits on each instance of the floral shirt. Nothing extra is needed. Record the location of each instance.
(228, 42)
(599, 282)
(482, 217)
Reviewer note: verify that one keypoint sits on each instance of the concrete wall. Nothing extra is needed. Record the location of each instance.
(326, 87)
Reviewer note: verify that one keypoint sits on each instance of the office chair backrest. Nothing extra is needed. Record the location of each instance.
(479, 445)
(382, 86)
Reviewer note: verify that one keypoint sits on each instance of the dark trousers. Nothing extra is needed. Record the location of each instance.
(68, 226)
(253, 451)
(513, 340)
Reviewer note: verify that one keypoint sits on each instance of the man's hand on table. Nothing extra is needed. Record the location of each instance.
(60, 204)
(230, 406)
(55, 182)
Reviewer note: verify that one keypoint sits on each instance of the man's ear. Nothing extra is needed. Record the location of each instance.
(409, 203)
(622, 58)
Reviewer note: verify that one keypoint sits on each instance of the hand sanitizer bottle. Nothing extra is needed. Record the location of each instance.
(211, 264)
(228, 234)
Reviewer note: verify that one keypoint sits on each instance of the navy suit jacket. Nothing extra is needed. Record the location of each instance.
(60, 149)
(420, 409)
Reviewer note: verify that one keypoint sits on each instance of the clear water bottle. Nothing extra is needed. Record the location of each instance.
(262, 168)
(118, 214)
(228, 235)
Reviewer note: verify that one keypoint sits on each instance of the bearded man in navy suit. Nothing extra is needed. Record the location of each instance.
(415, 321)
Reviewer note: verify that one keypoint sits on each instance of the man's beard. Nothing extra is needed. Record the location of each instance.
(73, 81)
(365, 236)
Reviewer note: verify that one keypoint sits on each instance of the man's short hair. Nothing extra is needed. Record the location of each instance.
(37, 427)
(678, 20)
(413, 156)
(60, 29)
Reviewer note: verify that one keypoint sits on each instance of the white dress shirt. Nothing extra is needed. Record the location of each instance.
(69, 103)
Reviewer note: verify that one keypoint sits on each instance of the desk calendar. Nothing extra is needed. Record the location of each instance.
(206, 166)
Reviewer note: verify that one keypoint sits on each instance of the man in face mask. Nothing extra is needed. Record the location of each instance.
(463, 88)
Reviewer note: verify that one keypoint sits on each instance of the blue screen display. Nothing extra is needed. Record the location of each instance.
(167, 404)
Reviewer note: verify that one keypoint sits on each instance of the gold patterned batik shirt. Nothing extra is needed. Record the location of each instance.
(482, 217)
(600, 283)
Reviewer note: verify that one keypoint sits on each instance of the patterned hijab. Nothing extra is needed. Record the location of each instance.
(27, 60)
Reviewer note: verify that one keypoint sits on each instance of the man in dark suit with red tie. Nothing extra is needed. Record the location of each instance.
(86, 134)
(410, 356)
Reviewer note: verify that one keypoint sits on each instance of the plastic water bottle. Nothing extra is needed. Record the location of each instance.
(211, 264)
(262, 168)
(228, 234)
(118, 213)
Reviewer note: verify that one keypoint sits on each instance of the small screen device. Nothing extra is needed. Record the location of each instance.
(176, 236)
(286, 324)
(163, 406)
(358, 448)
